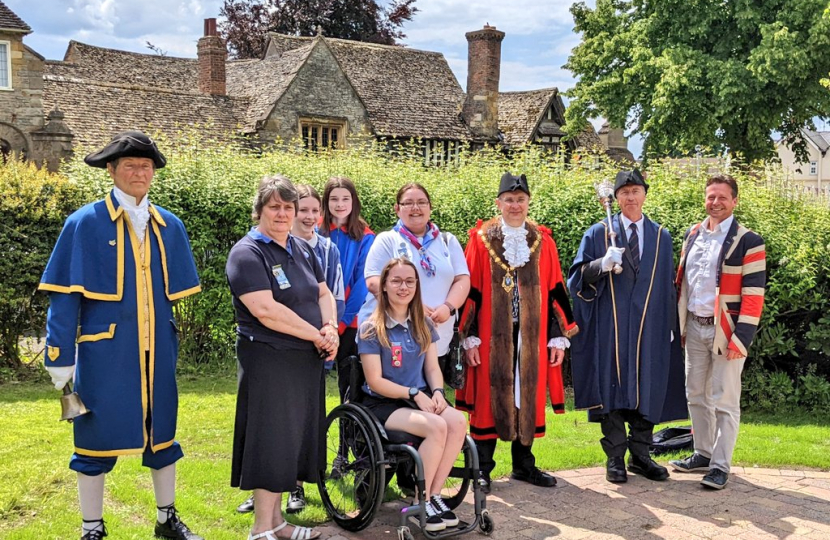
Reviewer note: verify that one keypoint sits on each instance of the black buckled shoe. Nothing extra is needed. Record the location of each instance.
(615, 470)
(715, 479)
(98, 533)
(174, 527)
(535, 477)
(484, 482)
(645, 466)
(695, 462)
(246, 507)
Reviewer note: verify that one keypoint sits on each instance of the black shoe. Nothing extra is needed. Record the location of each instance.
(247, 507)
(175, 527)
(98, 533)
(715, 479)
(447, 515)
(434, 522)
(645, 466)
(296, 500)
(695, 462)
(484, 482)
(615, 470)
(535, 477)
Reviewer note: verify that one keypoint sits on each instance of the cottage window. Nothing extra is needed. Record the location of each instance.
(438, 152)
(813, 168)
(318, 134)
(5, 65)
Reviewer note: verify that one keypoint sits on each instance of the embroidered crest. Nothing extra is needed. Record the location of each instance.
(53, 353)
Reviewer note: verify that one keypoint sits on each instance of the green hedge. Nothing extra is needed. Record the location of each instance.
(211, 189)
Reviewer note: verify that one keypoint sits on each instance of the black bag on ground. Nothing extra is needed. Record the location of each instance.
(672, 439)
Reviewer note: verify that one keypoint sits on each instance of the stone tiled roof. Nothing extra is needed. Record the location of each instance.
(97, 109)
(407, 92)
(520, 113)
(589, 139)
(262, 82)
(10, 21)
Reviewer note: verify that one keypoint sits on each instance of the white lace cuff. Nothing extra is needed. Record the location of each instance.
(559, 343)
(470, 342)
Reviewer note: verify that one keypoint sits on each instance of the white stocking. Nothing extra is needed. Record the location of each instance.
(164, 484)
(91, 497)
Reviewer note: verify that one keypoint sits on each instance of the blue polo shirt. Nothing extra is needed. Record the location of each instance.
(411, 370)
(291, 273)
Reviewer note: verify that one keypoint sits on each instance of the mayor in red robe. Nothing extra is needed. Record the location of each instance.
(516, 323)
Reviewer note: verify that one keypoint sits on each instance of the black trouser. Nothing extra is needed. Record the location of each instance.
(615, 442)
(347, 348)
(523, 458)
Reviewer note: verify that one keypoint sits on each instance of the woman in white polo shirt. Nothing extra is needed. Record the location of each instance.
(437, 256)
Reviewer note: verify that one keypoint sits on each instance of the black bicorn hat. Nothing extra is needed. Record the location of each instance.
(512, 183)
(629, 178)
(127, 144)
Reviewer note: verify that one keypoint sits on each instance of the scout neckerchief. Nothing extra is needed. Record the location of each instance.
(431, 234)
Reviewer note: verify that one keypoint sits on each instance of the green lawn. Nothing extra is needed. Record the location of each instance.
(38, 498)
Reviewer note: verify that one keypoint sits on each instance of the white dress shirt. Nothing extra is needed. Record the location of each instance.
(702, 267)
(627, 226)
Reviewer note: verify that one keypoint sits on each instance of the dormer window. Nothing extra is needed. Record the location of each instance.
(5, 65)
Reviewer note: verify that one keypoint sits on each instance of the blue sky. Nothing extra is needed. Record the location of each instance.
(539, 33)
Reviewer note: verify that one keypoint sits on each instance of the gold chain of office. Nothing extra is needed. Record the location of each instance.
(509, 280)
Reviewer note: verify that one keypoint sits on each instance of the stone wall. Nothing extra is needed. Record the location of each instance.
(21, 108)
(320, 90)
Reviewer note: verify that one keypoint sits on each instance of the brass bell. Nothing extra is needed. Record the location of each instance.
(71, 404)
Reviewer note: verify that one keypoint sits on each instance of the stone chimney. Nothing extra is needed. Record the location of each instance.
(481, 106)
(212, 55)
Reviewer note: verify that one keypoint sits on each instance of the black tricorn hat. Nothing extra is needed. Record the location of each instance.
(625, 178)
(127, 144)
(512, 183)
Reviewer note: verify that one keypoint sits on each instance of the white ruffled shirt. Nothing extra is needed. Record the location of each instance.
(139, 213)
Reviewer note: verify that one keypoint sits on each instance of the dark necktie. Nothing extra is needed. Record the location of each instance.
(634, 246)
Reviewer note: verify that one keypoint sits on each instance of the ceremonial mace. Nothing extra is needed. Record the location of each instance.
(71, 404)
(605, 192)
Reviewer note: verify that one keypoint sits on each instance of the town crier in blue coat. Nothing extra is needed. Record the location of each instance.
(118, 266)
(627, 362)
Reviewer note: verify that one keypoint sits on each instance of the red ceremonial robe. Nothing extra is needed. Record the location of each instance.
(544, 312)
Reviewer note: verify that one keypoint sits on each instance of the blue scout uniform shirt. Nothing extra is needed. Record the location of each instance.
(291, 273)
(96, 302)
(410, 373)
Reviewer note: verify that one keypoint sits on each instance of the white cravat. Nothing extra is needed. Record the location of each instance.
(139, 213)
(516, 250)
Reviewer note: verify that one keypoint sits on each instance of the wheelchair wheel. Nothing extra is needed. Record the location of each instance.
(353, 483)
(458, 482)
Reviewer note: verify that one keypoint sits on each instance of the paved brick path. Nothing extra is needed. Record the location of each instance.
(756, 504)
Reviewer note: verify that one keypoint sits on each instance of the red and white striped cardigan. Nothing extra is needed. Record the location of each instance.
(739, 296)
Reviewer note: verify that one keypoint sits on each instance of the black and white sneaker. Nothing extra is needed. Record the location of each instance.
(434, 522)
(447, 516)
(296, 500)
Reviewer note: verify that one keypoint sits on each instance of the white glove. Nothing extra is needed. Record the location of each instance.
(612, 256)
(61, 375)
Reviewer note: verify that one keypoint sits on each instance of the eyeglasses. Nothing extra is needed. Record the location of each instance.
(412, 204)
(398, 283)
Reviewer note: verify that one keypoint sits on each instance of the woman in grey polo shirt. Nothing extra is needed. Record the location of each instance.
(404, 385)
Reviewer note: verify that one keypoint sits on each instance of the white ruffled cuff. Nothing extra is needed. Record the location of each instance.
(559, 343)
(470, 342)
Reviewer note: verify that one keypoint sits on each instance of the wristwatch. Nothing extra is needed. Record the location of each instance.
(437, 390)
(452, 309)
(414, 391)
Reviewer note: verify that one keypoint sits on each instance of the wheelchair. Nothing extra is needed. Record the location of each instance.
(361, 458)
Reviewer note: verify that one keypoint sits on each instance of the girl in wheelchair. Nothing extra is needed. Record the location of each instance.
(404, 386)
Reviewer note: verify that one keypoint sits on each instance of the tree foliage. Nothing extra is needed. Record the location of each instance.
(703, 72)
(247, 22)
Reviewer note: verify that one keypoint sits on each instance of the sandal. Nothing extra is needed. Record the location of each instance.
(265, 535)
(299, 533)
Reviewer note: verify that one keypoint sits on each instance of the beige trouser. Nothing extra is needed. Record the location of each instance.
(713, 390)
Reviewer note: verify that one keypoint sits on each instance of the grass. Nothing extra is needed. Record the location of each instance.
(38, 497)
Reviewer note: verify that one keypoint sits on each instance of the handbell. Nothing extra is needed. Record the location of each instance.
(71, 404)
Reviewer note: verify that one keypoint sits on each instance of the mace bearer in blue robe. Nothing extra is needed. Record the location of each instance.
(118, 266)
(627, 363)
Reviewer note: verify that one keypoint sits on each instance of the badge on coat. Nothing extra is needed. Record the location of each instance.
(397, 355)
(279, 274)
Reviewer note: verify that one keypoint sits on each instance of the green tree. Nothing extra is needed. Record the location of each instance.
(702, 72)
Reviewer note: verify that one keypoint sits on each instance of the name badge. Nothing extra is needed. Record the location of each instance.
(279, 274)
(397, 355)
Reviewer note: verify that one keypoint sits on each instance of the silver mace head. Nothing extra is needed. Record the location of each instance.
(605, 191)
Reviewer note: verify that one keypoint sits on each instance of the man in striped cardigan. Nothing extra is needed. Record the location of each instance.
(721, 295)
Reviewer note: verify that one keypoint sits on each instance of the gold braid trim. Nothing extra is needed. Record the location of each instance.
(509, 280)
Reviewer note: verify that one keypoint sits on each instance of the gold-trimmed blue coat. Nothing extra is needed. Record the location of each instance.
(97, 304)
